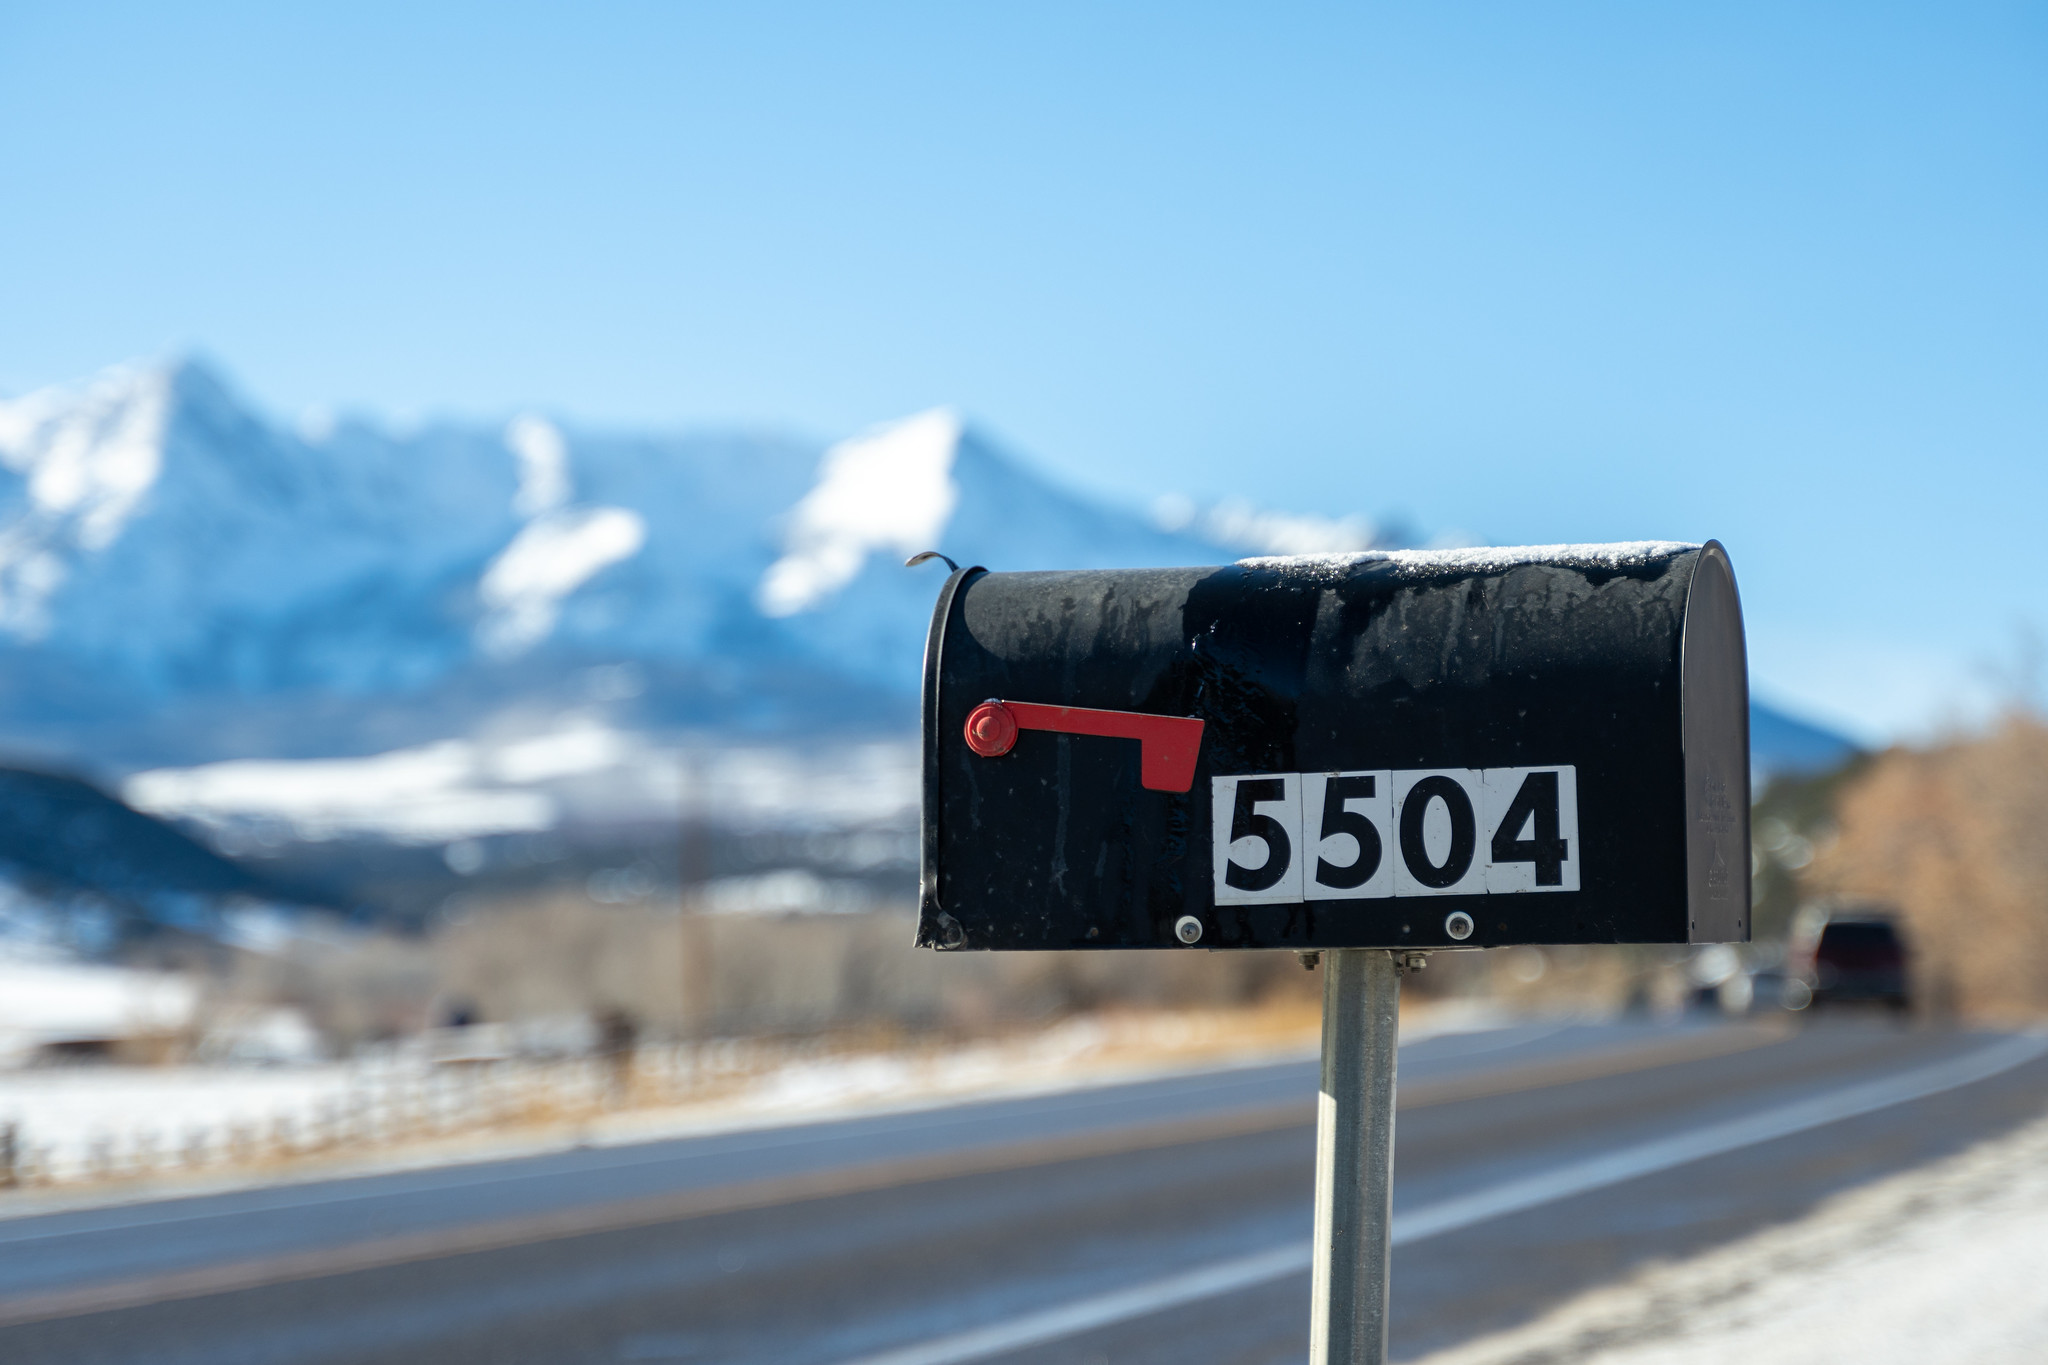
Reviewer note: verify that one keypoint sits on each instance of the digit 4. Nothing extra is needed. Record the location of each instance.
(1533, 814)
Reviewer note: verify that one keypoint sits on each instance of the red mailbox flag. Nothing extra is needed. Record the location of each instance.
(1168, 745)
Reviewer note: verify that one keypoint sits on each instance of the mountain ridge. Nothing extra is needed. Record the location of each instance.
(184, 581)
(181, 580)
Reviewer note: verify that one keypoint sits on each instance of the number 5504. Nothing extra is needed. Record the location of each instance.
(1395, 832)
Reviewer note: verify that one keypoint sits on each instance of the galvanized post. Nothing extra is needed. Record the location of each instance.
(1355, 1157)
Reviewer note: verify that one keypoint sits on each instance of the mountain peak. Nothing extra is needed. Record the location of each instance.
(889, 488)
(183, 579)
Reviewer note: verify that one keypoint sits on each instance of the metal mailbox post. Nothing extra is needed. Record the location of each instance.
(1367, 756)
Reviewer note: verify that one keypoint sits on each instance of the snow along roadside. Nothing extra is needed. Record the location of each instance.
(1945, 1263)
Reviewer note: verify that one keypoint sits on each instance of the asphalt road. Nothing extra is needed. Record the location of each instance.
(1158, 1222)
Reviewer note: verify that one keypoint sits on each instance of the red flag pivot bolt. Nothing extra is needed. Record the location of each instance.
(991, 729)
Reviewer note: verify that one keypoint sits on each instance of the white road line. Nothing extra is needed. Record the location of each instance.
(1463, 1211)
(1730, 1135)
(1052, 1324)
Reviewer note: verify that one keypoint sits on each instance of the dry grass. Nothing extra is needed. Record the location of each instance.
(684, 975)
(554, 956)
(1956, 838)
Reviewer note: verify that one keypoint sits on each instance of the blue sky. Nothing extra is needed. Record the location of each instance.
(1768, 273)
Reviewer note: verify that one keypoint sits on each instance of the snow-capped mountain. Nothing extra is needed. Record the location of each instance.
(184, 580)
(485, 629)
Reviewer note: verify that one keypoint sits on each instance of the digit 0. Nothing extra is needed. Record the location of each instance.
(1464, 831)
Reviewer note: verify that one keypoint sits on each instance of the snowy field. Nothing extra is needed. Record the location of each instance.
(68, 1109)
(83, 1124)
(1947, 1263)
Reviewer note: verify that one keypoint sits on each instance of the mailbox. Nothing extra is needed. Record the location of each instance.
(1403, 749)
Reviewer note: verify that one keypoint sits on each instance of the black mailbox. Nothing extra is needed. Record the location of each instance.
(1407, 749)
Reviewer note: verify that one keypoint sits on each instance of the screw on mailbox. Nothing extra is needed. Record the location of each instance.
(1322, 746)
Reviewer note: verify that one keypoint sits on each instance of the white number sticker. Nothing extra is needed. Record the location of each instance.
(1257, 824)
(1436, 826)
(1284, 837)
(1533, 816)
(1346, 840)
